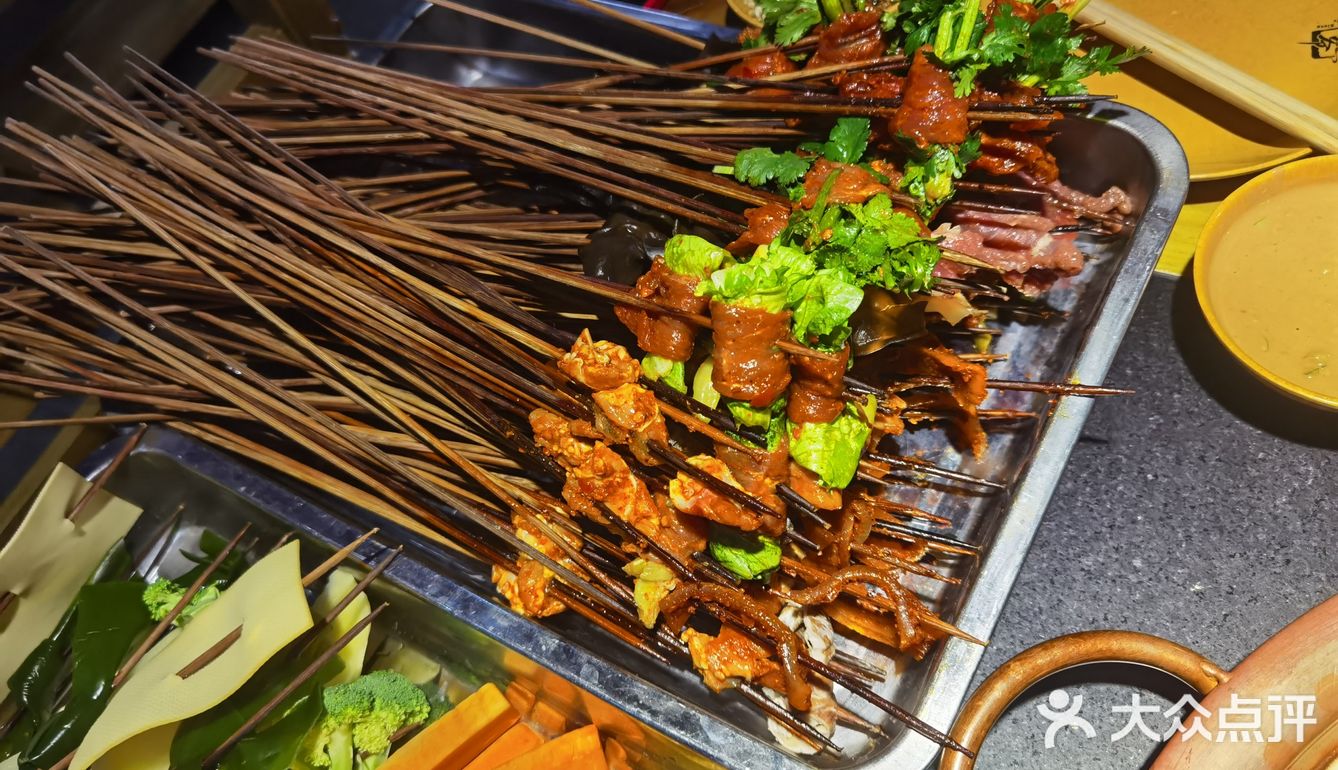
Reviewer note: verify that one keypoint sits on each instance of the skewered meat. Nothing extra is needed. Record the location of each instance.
(749, 365)
(1015, 152)
(1113, 199)
(730, 655)
(694, 498)
(662, 334)
(817, 388)
(930, 112)
(679, 534)
(855, 37)
(805, 484)
(760, 471)
(526, 589)
(601, 365)
(762, 65)
(631, 414)
(876, 584)
(966, 385)
(853, 526)
(870, 85)
(1030, 260)
(765, 222)
(853, 184)
(553, 434)
(607, 478)
(760, 620)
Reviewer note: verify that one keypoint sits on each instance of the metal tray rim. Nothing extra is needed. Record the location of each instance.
(983, 603)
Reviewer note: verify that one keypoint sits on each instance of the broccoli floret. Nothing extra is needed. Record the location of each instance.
(360, 719)
(162, 595)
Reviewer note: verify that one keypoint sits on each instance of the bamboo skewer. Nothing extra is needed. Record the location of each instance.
(540, 33)
(410, 338)
(288, 689)
(101, 480)
(166, 623)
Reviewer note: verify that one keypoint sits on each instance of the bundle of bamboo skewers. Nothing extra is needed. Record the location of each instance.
(382, 331)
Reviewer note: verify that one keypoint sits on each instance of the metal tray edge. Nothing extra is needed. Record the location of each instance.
(948, 687)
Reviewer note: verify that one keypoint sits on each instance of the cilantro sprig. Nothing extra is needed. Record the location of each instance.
(1045, 53)
(784, 22)
(872, 243)
(931, 173)
(763, 166)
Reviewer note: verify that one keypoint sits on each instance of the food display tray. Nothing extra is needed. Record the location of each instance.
(1111, 145)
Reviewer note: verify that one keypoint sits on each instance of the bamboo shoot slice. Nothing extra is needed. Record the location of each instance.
(354, 655)
(50, 558)
(269, 605)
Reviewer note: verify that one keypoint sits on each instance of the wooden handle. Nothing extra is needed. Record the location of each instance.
(1215, 76)
(1030, 666)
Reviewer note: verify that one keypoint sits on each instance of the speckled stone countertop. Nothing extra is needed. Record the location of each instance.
(1201, 510)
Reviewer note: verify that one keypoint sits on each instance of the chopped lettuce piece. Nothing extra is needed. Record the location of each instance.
(763, 281)
(833, 449)
(823, 304)
(654, 581)
(703, 389)
(690, 255)
(748, 415)
(671, 373)
(747, 555)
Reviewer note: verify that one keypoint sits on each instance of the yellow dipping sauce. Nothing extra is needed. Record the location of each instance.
(1273, 283)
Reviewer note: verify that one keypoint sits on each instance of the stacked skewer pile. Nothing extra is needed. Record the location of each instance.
(383, 286)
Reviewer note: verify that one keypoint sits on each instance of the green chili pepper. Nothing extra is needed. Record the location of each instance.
(200, 735)
(211, 545)
(274, 745)
(109, 618)
(32, 686)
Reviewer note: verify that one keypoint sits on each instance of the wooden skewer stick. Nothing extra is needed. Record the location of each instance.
(101, 480)
(337, 558)
(291, 687)
(178, 608)
(651, 27)
(211, 654)
(98, 419)
(540, 33)
(358, 589)
(931, 469)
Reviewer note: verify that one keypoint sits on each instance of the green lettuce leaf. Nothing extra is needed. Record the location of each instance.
(823, 304)
(690, 255)
(833, 449)
(763, 281)
(747, 555)
(671, 373)
(703, 389)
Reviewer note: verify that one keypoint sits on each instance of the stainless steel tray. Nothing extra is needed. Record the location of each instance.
(1115, 145)
(449, 619)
